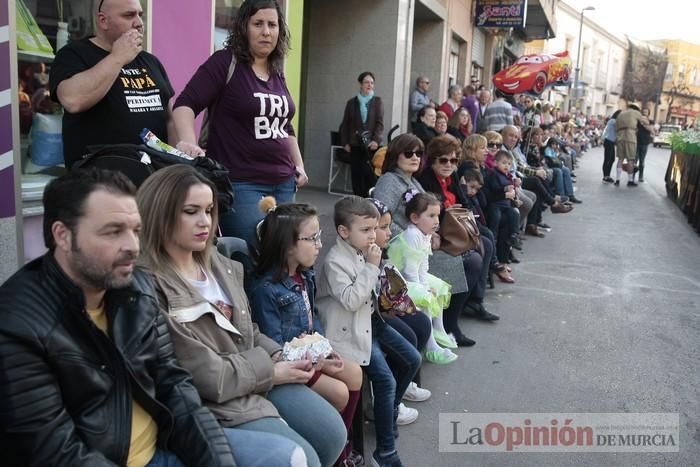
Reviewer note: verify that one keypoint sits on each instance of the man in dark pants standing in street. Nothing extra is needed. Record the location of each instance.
(644, 139)
(87, 370)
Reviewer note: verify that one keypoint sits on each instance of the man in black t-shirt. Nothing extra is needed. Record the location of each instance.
(109, 87)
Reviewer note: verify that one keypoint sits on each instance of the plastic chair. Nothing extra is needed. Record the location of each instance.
(340, 162)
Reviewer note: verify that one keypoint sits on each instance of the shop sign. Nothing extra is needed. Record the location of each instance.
(677, 110)
(501, 13)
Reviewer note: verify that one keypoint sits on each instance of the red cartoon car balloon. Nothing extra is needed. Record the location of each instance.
(531, 74)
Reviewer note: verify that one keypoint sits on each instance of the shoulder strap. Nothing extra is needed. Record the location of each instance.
(231, 69)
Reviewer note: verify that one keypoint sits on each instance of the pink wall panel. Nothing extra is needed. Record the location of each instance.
(181, 36)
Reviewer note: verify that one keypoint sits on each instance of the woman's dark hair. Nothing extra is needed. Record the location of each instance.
(420, 203)
(406, 142)
(278, 233)
(551, 142)
(64, 197)
(441, 146)
(424, 109)
(365, 74)
(237, 40)
(615, 114)
(160, 200)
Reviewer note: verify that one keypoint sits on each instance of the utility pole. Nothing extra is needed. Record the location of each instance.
(578, 58)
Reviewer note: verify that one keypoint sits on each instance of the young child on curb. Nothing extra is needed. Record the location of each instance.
(282, 296)
(410, 251)
(356, 329)
(414, 327)
(501, 195)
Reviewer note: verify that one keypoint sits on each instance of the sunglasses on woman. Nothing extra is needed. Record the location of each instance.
(410, 154)
(493, 145)
(447, 160)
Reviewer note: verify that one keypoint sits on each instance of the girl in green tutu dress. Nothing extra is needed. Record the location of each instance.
(409, 251)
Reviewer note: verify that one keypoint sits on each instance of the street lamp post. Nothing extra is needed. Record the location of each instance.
(578, 56)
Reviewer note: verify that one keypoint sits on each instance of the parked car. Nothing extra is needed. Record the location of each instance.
(531, 74)
(663, 136)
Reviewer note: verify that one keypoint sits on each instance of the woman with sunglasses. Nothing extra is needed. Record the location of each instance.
(494, 141)
(440, 178)
(401, 166)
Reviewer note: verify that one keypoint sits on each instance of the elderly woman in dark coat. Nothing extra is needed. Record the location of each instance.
(401, 165)
(361, 133)
(439, 177)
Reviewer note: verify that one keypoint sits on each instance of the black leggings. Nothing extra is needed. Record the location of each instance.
(361, 172)
(608, 157)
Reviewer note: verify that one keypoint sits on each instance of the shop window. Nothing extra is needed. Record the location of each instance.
(453, 68)
(42, 28)
(224, 13)
(477, 74)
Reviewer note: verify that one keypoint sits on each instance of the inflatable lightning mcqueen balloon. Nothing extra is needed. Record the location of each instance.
(532, 74)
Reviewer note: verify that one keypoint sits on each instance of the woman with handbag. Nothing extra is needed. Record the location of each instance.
(251, 133)
(361, 133)
(400, 167)
(440, 178)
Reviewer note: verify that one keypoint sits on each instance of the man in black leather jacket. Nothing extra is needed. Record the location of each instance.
(87, 370)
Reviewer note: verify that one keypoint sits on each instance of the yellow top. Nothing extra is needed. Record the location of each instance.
(144, 431)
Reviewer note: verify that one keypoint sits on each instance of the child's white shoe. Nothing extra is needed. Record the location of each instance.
(406, 416)
(416, 394)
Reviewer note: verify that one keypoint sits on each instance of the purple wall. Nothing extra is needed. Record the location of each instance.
(7, 179)
(181, 36)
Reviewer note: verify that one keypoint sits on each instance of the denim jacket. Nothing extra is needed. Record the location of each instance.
(279, 309)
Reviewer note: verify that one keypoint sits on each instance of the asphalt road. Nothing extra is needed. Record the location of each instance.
(604, 318)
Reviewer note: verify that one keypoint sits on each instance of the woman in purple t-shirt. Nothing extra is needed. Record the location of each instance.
(251, 131)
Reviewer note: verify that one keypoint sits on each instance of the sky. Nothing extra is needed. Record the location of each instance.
(646, 19)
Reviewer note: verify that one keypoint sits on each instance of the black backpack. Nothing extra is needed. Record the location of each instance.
(138, 162)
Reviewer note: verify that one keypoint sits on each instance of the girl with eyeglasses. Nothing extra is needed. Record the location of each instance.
(261, 401)
(283, 297)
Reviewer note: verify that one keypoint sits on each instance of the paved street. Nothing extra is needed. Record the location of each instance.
(604, 317)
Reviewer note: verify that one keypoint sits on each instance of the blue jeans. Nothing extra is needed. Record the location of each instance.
(251, 449)
(504, 222)
(390, 376)
(641, 156)
(244, 216)
(309, 415)
(562, 181)
(164, 459)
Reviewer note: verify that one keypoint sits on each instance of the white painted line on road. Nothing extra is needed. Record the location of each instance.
(637, 274)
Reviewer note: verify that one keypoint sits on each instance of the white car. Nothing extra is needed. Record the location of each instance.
(663, 136)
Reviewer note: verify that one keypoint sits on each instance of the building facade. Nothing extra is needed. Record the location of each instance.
(679, 101)
(601, 63)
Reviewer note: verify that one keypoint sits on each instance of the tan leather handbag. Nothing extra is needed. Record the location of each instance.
(459, 232)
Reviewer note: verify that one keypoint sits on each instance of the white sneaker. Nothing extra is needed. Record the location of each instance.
(407, 415)
(416, 394)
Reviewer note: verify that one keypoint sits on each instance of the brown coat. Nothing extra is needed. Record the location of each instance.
(352, 126)
(232, 371)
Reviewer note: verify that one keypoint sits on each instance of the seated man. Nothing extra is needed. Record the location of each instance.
(88, 375)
